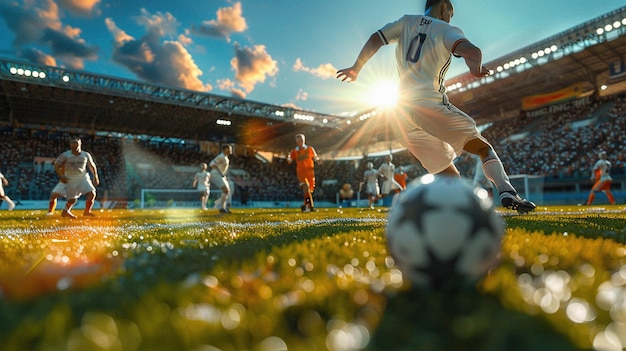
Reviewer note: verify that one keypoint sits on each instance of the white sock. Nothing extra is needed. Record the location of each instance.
(494, 171)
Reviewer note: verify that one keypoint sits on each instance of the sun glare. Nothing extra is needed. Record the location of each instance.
(383, 93)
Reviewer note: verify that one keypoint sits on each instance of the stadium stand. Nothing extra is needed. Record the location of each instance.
(150, 136)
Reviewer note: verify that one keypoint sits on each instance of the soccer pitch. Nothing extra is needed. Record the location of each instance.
(280, 279)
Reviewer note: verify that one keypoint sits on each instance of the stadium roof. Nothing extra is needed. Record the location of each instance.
(41, 95)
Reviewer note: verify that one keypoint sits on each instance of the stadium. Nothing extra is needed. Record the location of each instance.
(154, 272)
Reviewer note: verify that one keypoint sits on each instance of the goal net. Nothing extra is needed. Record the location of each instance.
(529, 187)
(181, 198)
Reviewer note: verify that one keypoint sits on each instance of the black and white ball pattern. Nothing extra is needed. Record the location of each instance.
(444, 233)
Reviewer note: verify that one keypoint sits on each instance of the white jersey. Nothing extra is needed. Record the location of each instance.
(370, 177)
(602, 170)
(75, 169)
(221, 163)
(75, 166)
(423, 53)
(389, 184)
(387, 170)
(202, 180)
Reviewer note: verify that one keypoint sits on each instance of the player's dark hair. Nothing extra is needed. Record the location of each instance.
(431, 3)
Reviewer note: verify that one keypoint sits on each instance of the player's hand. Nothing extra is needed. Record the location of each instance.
(347, 74)
(484, 72)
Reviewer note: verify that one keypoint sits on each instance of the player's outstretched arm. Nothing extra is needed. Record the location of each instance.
(473, 57)
(370, 48)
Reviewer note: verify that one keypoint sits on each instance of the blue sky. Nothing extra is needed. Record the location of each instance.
(282, 52)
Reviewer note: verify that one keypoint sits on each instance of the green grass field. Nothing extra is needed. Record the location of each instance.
(279, 279)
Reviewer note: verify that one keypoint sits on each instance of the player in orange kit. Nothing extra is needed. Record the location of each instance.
(305, 158)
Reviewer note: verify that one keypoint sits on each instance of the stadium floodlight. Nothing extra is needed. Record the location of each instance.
(303, 117)
(608, 27)
(279, 113)
(223, 122)
(616, 24)
(66, 78)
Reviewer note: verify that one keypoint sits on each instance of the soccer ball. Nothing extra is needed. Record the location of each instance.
(444, 233)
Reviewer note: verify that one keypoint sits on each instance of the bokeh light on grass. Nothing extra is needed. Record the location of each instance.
(277, 279)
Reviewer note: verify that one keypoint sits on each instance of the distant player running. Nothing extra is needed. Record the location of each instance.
(219, 166)
(601, 175)
(71, 167)
(370, 180)
(305, 156)
(202, 183)
(387, 171)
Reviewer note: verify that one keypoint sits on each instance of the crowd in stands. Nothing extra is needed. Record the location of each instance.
(560, 144)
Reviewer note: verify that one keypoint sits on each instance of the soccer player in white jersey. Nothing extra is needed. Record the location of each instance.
(434, 130)
(202, 183)
(72, 166)
(3, 196)
(370, 180)
(387, 170)
(601, 175)
(219, 166)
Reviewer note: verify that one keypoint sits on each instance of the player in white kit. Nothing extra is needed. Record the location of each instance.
(202, 183)
(219, 166)
(3, 196)
(387, 170)
(434, 130)
(72, 166)
(370, 180)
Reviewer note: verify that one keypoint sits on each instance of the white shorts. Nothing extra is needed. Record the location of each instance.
(435, 132)
(372, 189)
(203, 190)
(388, 186)
(75, 187)
(219, 180)
(59, 189)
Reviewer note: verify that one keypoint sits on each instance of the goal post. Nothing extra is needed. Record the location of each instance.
(180, 198)
(529, 186)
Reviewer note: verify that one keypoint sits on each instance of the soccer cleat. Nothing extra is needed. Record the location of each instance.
(88, 214)
(11, 206)
(224, 210)
(514, 202)
(49, 213)
(68, 214)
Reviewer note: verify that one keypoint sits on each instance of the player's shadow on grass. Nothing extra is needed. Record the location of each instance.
(464, 320)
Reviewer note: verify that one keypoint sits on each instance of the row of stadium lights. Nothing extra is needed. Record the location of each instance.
(35, 74)
(278, 113)
(539, 54)
(223, 122)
